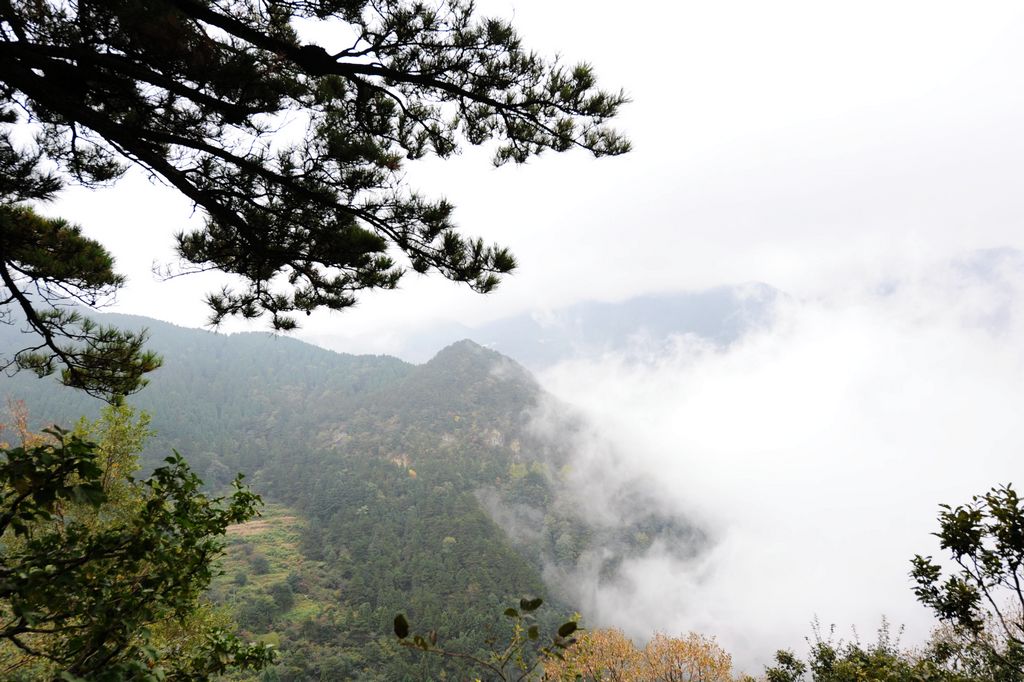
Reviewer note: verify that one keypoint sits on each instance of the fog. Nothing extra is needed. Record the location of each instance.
(814, 452)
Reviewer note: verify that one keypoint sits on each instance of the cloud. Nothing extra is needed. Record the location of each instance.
(813, 453)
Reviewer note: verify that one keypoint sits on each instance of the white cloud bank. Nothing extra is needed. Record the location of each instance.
(814, 452)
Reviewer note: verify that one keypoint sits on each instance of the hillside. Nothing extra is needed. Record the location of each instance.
(218, 396)
(415, 488)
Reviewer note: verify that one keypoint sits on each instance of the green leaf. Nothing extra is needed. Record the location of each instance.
(567, 628)
(533, 632)
(511, 612)
(528, 605)
(401, 626)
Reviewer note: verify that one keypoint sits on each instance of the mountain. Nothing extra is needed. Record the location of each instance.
(425, 489)
(538, 340)
(218, 395)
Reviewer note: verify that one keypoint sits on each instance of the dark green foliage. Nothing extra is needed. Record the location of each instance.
(283, 596)
(192, 90)
(257, 613)
(528, 605)
(34, 481)
(394, 540)
(401, 626)
(566, 629)
(838, 661)
(46, 265)
(22, 177)
(294, 582)
(259, 564)
(788, 668)
(80, 594)
(982, 598)
(384, 535)
(230, 402)
(512, 658)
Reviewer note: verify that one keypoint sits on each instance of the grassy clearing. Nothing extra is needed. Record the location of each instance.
(266, 580)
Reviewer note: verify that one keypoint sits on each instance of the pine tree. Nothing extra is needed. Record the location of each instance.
(193, 91)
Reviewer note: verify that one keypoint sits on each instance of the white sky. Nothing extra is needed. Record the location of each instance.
(809, 145)
(824, 148)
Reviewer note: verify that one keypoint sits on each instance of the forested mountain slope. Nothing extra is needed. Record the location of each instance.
(226, 401)
(421, 488)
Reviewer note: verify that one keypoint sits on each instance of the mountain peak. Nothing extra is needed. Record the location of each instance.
(465, 350)
(473, 362)
(466, 345)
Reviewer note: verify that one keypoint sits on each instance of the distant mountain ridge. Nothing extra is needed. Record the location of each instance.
(538, 340)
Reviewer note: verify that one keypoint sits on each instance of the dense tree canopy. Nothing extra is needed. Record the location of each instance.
(49, 261)
(205, 95)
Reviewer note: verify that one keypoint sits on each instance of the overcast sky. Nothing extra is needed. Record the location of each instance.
(850, 154)
(809, 145)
